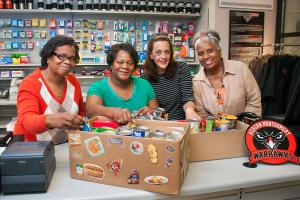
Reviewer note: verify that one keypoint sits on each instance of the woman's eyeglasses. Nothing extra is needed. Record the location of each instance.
(72, 59)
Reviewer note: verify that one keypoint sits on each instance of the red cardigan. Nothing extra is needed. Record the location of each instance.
(31, 105)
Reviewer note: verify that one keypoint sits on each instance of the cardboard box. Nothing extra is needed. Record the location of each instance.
(116, 160)
(219, 145)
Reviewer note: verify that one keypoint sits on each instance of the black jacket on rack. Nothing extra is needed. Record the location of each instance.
(279, 83)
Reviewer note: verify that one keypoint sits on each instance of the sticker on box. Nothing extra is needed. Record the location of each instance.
(93, 170)
(136, 148)
(74, 139)
(169, 162)
(153, 153)
(79, 169)
(156, 180)
(115, 166)
(94, 146)
(134, 177)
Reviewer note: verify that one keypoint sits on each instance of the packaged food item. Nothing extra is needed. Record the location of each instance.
(195, 125)
(159, 134)
(141, 131)
(232, 119)
(221, 125)
(100, 126)
(209, 123)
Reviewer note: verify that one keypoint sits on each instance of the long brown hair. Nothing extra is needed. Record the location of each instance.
(150, 67)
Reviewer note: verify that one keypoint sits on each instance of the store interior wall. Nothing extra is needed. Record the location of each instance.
(219, 21)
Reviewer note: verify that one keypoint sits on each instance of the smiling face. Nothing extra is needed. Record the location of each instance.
(123, 66)
(62, 62)
(209, 56)
(161, 55)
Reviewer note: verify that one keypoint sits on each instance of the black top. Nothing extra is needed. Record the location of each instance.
(173, 93)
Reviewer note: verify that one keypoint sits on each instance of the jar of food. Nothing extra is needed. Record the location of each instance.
(221, 125)
(232, 119)
(150, 6)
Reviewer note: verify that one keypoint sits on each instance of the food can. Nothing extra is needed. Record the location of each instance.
(159, 134)
(232, 120)
(194, 125)
(209, 123)
(124, 132)
(141, 131)
(175, 136)
(221, 125)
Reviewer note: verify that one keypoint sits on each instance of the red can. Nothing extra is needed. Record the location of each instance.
(8, 4)
(1, 4)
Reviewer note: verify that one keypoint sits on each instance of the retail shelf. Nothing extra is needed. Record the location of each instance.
(103, 12)
(7, 102)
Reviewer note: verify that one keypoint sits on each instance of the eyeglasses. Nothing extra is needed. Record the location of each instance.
(72, 59)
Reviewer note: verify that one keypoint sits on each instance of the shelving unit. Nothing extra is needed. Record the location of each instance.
(73, 15)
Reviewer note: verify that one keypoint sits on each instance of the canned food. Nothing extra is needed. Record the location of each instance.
(141, 131)
(232, 119)
(124, 132)
(159, 134)
(175, 135)
(194, 125)
(209, 123)
(221, 125)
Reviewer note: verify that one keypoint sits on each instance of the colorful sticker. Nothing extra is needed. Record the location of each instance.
(170, 149)
(153, 153)
(93, 170)
(169, 162)
(136, 148)
(74, 139)
(156, 180)
(94, 146)
(115, 166)
(134, 177)
(79, 169)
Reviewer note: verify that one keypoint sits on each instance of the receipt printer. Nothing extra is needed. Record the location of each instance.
(27, 167)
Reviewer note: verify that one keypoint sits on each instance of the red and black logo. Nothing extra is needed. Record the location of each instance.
(270, 142)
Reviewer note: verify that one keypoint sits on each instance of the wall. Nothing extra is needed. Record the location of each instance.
(219, 21)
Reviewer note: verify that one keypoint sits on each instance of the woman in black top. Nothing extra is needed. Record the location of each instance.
(170, 80)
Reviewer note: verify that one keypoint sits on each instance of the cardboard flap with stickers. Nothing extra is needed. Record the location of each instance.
(152, 164)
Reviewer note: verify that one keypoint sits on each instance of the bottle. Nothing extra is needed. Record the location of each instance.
(119, 4)
(164, 6)
(150, 6)
(15, 4)
(29, 4)
(80, 4)
(61, 4)
(21, 4)
(112, 5)
(68, 5)
(189, 8)
(135, 5)
(197, 8)
(172, 7)
(2, 4)
(180, 7)
(54, 4)
(103, 4)
(40, 4)
(48, 4)
(142, 5)
(8, 4)
(157, 6)
(127, 5)
(96, 5)
(88, 4)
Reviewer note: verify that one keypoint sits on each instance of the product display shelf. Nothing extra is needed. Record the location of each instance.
(104, 12)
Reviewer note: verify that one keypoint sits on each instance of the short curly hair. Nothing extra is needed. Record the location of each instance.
(57, 41)
(114, 50)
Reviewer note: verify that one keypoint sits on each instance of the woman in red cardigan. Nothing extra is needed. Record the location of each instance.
(49, 100)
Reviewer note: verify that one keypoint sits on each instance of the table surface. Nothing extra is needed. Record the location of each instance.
(202, 177)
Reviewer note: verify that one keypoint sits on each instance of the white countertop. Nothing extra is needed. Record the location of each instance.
(202, 177)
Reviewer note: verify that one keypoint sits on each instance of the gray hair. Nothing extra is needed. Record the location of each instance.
(207, 36)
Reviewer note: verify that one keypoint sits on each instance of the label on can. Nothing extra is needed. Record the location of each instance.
(140, 131)
(194, 125)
